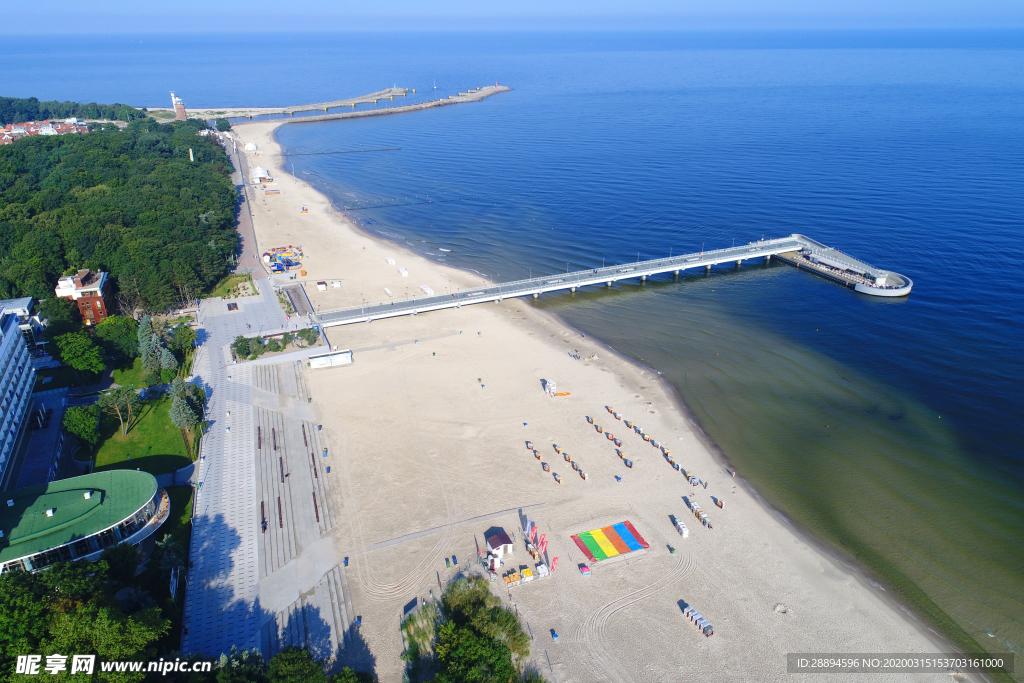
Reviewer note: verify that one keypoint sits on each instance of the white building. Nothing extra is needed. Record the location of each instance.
(259, 174)
(28, 319)
(17, 378)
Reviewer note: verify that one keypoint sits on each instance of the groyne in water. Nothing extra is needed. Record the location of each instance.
(474, 95)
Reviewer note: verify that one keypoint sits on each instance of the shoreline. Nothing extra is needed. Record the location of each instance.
(544, 318)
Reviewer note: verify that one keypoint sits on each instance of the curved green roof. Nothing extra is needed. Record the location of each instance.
(113, 496)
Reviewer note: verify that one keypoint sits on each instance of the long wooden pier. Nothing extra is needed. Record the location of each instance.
(869, 280)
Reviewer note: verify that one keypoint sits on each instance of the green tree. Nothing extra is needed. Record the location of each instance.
(70, 608)
(480, 640)
(183, 338)
(223, 125)
(61, 316)
(241, 666)
(122, 562)
(182, 414)
(107, 632)
(466, 656)
(78, 352)
(348, 675)
(122, 402)
(168, 555)
(295, 665)
(119, 334)
(81, 422)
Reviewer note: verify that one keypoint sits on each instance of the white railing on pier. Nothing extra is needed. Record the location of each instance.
(560, 281)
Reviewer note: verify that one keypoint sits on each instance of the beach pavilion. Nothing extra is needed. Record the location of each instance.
(78, 518)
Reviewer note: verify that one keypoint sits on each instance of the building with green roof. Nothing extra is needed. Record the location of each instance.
(78, 518)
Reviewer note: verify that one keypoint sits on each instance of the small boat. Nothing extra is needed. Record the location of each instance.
(440, 249)
(628, 463)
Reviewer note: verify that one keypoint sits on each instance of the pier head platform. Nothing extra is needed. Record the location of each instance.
(834, 265)
(798, 250)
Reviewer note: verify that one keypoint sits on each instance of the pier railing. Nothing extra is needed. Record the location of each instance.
(559, 281)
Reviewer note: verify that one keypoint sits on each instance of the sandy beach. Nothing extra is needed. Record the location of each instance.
(427, 433)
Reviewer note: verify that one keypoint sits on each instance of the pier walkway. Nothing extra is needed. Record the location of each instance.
(797, 250)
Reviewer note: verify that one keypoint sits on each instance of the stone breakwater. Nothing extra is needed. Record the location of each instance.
(471, 96)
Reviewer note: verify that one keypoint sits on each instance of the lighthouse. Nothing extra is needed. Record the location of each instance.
(179, 107)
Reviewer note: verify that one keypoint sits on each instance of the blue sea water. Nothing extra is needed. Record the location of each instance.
(891, 429)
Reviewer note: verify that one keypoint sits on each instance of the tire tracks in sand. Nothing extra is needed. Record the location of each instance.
(591, 632)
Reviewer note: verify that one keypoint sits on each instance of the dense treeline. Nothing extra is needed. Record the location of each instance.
(128, 202)
(104, 609)
(19, 110)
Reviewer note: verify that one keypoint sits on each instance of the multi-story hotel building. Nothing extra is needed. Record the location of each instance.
(17, 378)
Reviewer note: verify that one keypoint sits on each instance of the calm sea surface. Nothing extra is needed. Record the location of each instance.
(891, 429)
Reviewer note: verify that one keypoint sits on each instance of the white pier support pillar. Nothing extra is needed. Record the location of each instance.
(707, 268)
(675, 273)
(535, 295)
(767, 258)
(738, 262)
(608, 284)
(643, 278)
(572, 289)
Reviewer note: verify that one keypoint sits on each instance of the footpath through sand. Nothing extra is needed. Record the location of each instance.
(425, 434)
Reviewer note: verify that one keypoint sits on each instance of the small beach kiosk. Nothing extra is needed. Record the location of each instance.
(499, 544)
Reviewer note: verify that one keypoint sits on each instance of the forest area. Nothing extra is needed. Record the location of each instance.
(133, 203)
(22, 109)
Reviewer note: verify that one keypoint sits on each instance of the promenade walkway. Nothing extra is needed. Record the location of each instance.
(222, 602)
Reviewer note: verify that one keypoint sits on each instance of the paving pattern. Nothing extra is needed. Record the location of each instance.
(264, 497)
(221, 607)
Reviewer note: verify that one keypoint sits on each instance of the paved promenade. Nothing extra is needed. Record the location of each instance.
(222, 607)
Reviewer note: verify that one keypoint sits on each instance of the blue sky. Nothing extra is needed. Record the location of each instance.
(204, 16)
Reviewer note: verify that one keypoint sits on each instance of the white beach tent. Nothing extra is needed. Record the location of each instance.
(259, 173)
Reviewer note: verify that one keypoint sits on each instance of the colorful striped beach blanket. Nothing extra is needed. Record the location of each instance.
(617, 539)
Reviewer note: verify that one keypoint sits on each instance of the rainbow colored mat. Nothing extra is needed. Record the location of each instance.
(617, 539)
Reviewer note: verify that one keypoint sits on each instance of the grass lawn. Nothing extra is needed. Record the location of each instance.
(60, 378)
(129, 371)
(229, 286)
(154, 443)
(178, 525)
